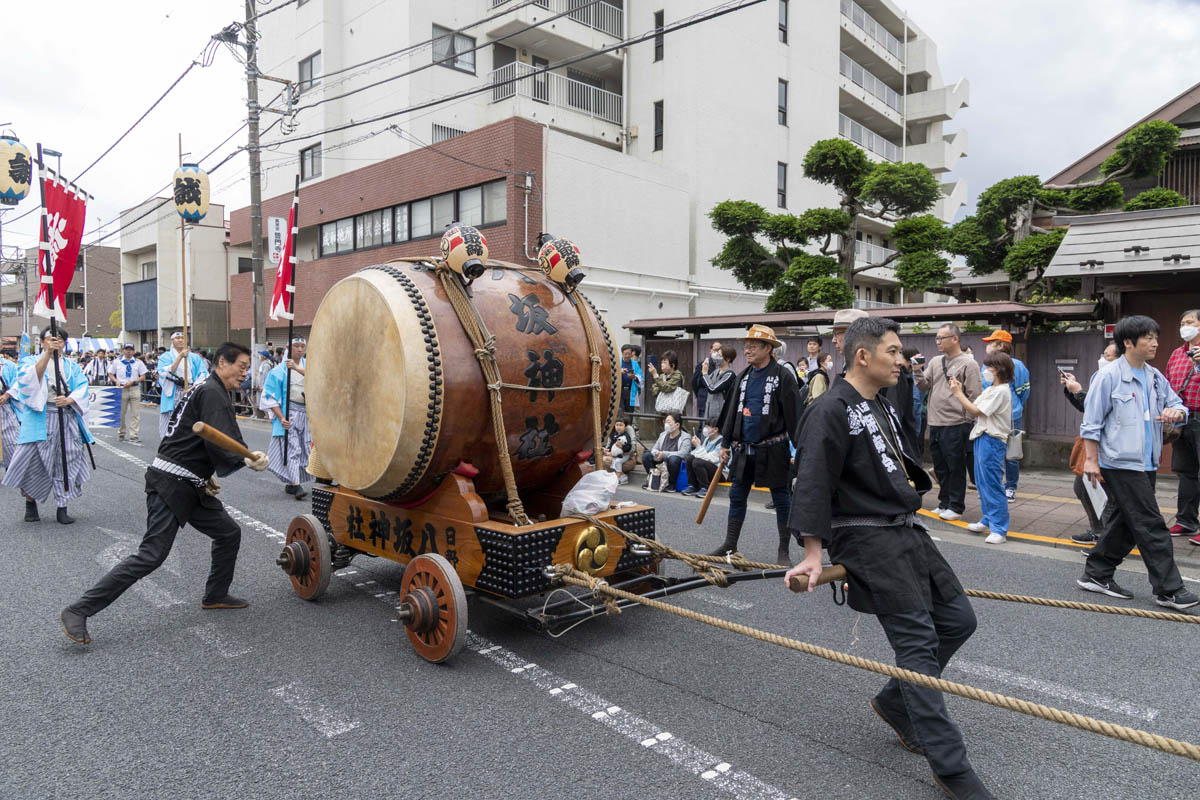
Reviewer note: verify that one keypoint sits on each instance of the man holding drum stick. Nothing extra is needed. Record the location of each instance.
(181, 490)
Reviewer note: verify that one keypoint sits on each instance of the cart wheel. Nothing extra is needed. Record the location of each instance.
(433, 607)
(305, 557)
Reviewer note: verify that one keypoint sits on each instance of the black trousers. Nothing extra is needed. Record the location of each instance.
(923, 642)
(700, 472)
(1086, 500)
(948, 449)
(1131, 516)
(1185, 463)
(673, 461)
(210, 518)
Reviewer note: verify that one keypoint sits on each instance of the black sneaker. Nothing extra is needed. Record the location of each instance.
(1087, 537)
(228, 601)
(966, 786)
(1111, 589)
(1180, 599)
(689, 491)
(63, 517)
(31, 512)
(291, 488)
(902, 728)
(770, 505)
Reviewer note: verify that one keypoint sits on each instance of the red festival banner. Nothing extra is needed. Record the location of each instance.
(283, 298)
(65, 207)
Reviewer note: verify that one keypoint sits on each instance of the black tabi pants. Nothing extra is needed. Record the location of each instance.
(161, 527)
(1131, 517)
(923, 642)
(948, 449)
(700, 472)
(1185, 463)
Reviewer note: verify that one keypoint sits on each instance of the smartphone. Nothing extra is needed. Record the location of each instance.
(1064, 371)
(918, 359)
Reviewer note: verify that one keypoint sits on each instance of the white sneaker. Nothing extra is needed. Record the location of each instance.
(937, 512)
(977, 527)
(949, 515)
(995, 538)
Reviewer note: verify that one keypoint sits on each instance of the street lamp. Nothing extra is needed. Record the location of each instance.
(191, 202)
(16, 170)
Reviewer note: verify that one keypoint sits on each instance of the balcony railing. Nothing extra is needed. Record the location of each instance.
(868, 138)
(855, 13)
(516, 79)
(864, 304)
(604, 17)
(862, 77)
(871, 253)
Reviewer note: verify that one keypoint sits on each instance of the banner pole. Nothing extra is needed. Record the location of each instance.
(48, 269)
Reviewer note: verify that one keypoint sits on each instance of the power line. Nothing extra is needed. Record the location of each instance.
(713, 13)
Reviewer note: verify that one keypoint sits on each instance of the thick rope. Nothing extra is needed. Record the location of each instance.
(1102, 609)
(485, 352)
(570, 575)
(708, 571)
(594, 357)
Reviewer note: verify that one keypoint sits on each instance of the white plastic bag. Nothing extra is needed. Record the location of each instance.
(592, 494)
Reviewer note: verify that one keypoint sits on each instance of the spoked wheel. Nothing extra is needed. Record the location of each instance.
(433, 607)
(305, 557)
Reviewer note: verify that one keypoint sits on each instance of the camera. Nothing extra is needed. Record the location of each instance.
(1193, 350)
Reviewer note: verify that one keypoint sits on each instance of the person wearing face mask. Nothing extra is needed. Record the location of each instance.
(992, 411)
(1183, 373)
(818, 377)
(672, 447)
(707, 365)
(718, 383)
(704, 460)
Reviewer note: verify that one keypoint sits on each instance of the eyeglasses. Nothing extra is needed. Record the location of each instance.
(944, 338)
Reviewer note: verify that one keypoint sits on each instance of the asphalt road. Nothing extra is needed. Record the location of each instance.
(294, 699)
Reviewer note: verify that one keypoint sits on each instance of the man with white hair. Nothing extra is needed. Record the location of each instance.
(283, 399)
(178, 369)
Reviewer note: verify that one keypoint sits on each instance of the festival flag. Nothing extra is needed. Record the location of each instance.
(65, 208)
(104, 407)
(283, 298)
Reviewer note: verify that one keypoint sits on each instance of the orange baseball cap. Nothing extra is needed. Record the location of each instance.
(999, 336)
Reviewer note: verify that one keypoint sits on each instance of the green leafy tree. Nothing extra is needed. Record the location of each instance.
(767, 252)
(1157, 197)
(1001, 236)
(114, 320)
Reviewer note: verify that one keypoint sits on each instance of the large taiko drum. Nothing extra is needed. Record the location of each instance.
(396, 398)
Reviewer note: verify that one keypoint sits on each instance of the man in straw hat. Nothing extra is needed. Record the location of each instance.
(758, 424)
(171, 377)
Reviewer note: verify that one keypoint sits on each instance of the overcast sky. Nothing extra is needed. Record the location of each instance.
(1049, 82)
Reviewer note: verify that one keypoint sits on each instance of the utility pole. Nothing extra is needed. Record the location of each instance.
(256, 236)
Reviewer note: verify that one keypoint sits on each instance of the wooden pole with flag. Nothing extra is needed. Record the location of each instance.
(47, 278)
(283, 303)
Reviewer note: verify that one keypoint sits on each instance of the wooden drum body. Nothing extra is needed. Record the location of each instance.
(397, 399)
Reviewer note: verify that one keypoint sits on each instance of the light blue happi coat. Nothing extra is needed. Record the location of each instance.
(273, 392)
(33, 395)
(195, 371)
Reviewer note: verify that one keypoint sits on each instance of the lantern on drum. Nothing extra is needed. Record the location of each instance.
(16, 170)
(191, 192)
(560, 260)
(465, 250)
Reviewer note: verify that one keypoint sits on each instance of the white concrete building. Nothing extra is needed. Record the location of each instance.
(150, 275)
(638, 143)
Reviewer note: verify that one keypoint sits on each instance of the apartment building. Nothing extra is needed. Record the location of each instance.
(151, 277)
(622, 149)
(89, 301)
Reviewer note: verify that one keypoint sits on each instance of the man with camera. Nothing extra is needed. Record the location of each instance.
(1183, 372)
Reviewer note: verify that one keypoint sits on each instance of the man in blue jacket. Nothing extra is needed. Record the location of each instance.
(1127, 404)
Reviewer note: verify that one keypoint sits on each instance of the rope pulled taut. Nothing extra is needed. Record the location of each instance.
(569, 575)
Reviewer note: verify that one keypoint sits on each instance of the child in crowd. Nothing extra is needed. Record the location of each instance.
(993, 423)
(620, 447)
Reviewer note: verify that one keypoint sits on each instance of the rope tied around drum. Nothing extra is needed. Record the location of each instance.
(569, 575)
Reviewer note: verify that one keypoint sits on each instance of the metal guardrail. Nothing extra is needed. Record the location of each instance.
(858, 15)
(517, 78)
(603, 17)
(863, 77)
(871, 253)
(862, 135)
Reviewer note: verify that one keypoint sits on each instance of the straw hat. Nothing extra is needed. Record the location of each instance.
(761, 333)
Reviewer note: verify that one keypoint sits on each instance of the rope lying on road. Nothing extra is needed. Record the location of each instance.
(704, 566)
(599, 587)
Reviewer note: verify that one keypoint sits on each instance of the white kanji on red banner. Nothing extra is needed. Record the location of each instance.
(284, 295)
(65, 211)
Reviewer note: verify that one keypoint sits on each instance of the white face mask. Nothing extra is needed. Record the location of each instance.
(1188, 332)
(990, 375)
(671, 427)
(1102, 363)
(708, 432)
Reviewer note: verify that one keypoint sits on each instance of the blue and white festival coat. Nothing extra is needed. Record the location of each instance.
(195, 371)
(273, 391)
(33, 395)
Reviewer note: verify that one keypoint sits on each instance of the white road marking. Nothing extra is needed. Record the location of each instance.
(303, 700)
(722, 600)
(1059, 690)
(157, 596)
(221, 641)
(171, 565)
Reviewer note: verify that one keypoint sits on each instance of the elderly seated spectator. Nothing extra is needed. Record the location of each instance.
(671, 448)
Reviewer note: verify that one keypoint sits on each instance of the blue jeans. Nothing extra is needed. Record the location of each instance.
(1012, 468)
(739, 490)
(989, 479)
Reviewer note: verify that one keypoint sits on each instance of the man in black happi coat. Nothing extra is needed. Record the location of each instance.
(858, 491)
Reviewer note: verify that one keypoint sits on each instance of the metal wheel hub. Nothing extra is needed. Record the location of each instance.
(295, 558)
(419, 611)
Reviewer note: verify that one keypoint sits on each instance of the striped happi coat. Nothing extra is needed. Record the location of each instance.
(298, 439)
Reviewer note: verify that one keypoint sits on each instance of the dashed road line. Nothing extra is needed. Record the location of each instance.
(226, 645)
(1059, 690)
(303, 700)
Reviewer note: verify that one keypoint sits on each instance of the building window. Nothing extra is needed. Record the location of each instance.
(781, 188)
(402, 223)
(495, 202)
(370, 230)
(443, 212)
(337, 237)
(470, 205)
(658, 35)
(310, 72)
(73, 300)
(443, 132)
(782, 101)
(453, 50)
(658, 125)
(421, 224)
(783, 14)
(245, 265)
(310, 162)
(149, 270)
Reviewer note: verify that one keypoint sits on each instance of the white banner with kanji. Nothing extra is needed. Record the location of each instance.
(284, 295)
(65, 210)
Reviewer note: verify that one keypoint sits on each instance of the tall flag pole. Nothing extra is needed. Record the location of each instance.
(46, 261)
(283, 300)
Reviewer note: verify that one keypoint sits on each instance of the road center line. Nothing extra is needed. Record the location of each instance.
(303, 700)
(1059, 690)
(225, 644)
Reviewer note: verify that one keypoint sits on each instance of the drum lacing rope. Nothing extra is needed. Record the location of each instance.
(485, 352)
(569, 575)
